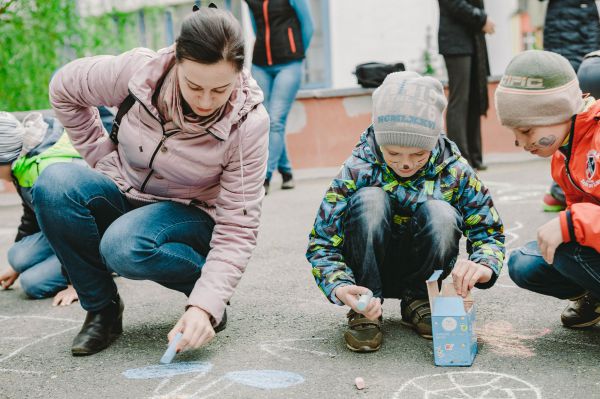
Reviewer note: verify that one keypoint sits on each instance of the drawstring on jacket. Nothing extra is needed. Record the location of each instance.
(241, 152)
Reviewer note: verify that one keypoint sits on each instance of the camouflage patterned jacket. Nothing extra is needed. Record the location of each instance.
(447, 176)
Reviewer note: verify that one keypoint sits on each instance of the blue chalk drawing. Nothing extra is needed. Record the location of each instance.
(265, 379)
(167, 370)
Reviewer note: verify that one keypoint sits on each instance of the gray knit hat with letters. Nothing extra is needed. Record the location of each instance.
(11, 138)
(407, 110)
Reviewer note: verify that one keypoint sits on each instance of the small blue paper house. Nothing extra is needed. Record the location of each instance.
(452, 322)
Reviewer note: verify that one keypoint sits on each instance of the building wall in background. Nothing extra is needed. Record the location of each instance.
(397, 30)
(350, 32)
(382, 30)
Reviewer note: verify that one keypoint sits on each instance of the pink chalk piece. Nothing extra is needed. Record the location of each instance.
(359, 382)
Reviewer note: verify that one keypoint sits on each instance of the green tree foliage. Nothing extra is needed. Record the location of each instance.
(39, 36)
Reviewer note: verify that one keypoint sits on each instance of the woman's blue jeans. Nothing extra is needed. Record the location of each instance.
(94, 230)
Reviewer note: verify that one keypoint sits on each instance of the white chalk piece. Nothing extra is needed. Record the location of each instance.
(360, 383)
(170, 353)
(364, 300)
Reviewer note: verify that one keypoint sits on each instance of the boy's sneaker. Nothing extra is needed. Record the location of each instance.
(266, 185)
(288, 181)
(416, 314)
(551, 204)
(363, 335)
(581, 312)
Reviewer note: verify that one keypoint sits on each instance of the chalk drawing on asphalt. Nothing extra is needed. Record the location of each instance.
(502, 339)
(275, 348)
(468, 385)
(508, 192)
(197, 388)
(12, 344)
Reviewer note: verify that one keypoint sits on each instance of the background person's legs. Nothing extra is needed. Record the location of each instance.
(474, 120)
(283, 93)
(76, 206)
(29, 251)
(459, 84)
(40, 270)
(265, 76)
(44, 279)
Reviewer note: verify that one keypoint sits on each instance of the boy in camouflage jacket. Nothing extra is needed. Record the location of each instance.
(396, 212)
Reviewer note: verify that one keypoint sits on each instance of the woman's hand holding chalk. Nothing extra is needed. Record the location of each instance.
(197, 329)
(364, 300)
(171, 351)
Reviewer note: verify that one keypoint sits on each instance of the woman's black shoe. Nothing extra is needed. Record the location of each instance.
(99, 329)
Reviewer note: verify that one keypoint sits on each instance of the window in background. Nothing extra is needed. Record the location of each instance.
(317, 72)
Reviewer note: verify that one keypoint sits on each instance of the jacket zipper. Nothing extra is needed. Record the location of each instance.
(267, 32)
(158, 147)
(291, 37)
(160, 143)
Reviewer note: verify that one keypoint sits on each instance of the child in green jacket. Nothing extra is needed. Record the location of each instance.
(25, 151)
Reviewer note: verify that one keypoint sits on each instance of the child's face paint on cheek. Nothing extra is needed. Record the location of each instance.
(405, 161)
(542, 140)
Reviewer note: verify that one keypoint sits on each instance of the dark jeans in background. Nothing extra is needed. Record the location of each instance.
(394, 265)
(463, 117)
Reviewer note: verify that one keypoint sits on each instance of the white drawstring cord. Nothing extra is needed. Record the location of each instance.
(241, 153)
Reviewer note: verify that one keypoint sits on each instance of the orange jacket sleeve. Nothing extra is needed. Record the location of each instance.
(581, 223)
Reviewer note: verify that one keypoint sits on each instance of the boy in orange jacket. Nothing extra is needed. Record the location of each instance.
(540, 100)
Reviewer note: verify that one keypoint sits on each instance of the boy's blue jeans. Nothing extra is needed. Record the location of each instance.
(280, 84)
(40, 271)
(393, 264)
(94, 230)
(575, 270)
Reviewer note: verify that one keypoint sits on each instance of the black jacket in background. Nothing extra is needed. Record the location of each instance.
(572, 29)
(460, 22)
(460, 33)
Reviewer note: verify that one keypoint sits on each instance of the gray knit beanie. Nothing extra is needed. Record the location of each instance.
(11, 138)
(407, 110)
(538, 88)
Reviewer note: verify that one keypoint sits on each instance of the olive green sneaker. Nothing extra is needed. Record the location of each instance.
(363, 335)
(416, 314)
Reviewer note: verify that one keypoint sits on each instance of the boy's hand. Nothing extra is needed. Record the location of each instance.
(196, 328)
(8, 278)
(467, 273)
(65, 297)
(349, 294)
(549, 237)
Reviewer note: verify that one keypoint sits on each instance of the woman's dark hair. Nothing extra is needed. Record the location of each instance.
(210, 35)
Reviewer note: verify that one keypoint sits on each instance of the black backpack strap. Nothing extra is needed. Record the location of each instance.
(123, 109)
